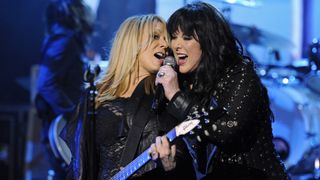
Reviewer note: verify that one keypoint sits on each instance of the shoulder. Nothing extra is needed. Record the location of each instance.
(239, 76)
(244, 66)
(58, 42)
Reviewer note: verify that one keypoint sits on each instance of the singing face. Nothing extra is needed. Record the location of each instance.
(187, 51)
(152, 55)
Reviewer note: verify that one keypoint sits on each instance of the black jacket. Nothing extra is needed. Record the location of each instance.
(60, 76)
(156, 125)
(238, 128)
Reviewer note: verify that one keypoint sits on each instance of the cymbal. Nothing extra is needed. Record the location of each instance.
(251, 35)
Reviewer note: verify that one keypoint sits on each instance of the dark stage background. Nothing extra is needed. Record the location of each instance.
(22, 31)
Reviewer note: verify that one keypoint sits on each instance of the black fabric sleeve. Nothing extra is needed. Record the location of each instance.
(180, 105)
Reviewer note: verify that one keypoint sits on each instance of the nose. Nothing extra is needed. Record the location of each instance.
(175, 44)
(163, 43)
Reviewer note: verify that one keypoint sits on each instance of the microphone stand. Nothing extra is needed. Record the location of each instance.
(91, 119)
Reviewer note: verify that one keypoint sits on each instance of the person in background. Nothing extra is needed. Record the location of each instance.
(235, 140)
(60, 78)
(123, 103)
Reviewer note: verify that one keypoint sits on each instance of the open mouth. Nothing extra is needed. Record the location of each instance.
(160, 55)
(182, 59)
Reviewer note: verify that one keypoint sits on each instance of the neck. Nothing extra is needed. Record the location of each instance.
(134, 81)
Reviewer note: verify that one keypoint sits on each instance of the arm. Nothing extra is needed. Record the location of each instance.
(59, 58)
(239, 96)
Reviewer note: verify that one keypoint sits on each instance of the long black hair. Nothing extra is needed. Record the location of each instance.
(71, 14)
(220, 49)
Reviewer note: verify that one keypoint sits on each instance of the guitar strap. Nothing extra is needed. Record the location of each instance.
(139, 121)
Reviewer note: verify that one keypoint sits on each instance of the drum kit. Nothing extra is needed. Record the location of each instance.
(294, 92)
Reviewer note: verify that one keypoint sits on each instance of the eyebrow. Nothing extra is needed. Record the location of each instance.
(158, 30)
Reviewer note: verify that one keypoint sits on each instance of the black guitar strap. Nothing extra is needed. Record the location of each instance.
(139, 121)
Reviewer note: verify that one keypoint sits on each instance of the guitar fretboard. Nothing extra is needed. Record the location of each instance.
(142, 159)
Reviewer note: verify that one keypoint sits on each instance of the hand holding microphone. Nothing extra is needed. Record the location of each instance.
(166, 83)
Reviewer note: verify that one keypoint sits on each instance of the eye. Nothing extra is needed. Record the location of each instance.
(156, 36)
(186, 37)
(173, 36)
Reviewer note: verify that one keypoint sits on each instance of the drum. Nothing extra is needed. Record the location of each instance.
(294, 114)
(312, 81)
(284, 75)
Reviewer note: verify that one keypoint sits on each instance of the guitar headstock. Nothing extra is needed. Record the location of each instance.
(186, 126)
(199, 117)
(192, 121)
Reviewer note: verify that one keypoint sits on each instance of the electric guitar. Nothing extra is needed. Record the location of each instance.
(58, 146)
(181, 129)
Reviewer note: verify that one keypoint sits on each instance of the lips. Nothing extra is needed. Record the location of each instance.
(182, 59)
(160, 56)
(181, 62)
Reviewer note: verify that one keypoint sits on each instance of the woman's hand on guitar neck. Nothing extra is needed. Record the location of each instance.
(165, 152)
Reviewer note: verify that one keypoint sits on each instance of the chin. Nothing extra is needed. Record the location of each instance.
(183, 71)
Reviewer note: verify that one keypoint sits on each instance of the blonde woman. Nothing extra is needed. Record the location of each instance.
(125, 93)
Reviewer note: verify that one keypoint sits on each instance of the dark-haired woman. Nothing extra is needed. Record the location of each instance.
(235, 141)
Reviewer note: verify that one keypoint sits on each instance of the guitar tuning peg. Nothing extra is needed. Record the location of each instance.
(195, 116)
(199, 126)
(191, 132)
(204, 112)
(195, 112)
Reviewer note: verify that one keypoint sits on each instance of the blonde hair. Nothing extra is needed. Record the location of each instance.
(123, 59)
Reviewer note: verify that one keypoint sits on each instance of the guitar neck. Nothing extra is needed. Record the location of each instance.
(141, 160)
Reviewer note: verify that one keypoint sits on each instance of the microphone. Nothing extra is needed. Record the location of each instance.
(90, 74)
(159, 97)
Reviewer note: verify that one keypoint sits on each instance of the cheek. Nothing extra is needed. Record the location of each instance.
(197, 55)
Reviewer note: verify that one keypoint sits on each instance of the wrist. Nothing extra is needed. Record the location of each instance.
(170, 95)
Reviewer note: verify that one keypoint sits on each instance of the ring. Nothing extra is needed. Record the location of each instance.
(160, 74)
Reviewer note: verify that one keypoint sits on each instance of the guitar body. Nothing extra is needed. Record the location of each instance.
(58, 146)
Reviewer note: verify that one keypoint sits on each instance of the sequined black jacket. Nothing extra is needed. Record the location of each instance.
(241, 134)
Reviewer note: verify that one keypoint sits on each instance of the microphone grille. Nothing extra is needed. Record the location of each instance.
(169, 60)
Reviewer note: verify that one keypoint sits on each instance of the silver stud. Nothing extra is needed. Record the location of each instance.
(206, 133)
(230, 124)
(214, 127)
(198, 138)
